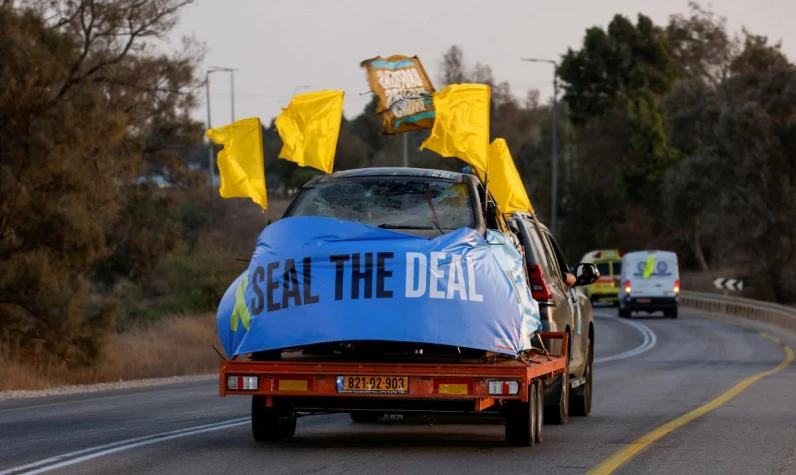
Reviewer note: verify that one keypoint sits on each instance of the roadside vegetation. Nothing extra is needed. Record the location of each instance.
(677, 136)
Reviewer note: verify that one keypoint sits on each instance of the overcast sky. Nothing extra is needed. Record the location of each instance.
(280, 46)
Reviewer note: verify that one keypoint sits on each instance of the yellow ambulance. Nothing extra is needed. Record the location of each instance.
(609, 265)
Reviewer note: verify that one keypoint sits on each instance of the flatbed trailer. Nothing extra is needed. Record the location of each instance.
(282, 390)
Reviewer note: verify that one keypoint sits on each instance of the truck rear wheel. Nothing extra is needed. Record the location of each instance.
(271, 423)
(521, 420)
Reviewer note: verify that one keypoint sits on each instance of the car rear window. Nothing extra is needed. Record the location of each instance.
(390, 202)
(617, 268)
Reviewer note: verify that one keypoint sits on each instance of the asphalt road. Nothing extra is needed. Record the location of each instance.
(650, 372)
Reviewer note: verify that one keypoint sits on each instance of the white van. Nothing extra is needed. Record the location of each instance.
(650, 282)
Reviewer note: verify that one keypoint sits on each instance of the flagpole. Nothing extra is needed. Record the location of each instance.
(210, 154)
(405, 153)
(209, 126)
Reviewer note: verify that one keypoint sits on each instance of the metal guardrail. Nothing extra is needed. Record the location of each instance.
(757, 310)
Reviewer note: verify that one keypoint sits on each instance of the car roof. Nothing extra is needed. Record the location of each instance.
(524, 215)
(651, 251)
(392, 172)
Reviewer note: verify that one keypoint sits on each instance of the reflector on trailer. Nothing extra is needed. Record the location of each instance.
(452, 388)
(243, 383)
(292, 385)
(504, 387)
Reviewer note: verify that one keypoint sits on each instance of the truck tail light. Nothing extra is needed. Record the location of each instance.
(539, 288)
(504, 388)
(242, 383)
(677, 287)
(628, 287)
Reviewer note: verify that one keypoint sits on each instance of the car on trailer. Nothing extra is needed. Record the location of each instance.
(392, 373)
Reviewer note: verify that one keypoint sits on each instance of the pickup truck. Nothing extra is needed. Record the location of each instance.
(402, 372)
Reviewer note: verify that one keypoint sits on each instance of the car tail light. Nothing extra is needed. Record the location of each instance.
(504, 387)
(539, 288)
(242, 383)
(677, 287)
(628, 287)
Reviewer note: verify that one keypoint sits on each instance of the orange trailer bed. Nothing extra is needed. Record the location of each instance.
(281, 379)
(282, 390)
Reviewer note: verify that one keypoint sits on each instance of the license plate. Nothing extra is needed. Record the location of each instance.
(373, 384)
(644, 300)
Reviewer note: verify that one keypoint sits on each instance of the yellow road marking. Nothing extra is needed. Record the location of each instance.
(628, 452)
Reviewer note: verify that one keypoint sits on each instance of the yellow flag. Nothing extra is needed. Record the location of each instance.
(461, 127)
(505, 183)
(240, 163)
(309, 127)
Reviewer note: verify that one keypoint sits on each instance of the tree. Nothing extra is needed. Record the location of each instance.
(83, 109)
(736, 184)
(452, 66)
(613, 90)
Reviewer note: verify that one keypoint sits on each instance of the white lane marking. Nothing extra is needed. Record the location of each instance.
(650, 339)
(120, 445)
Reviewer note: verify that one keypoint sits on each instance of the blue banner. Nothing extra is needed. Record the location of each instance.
(317, 280)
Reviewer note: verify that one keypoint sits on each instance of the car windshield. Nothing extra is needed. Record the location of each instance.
(391, 203)
(604, 269)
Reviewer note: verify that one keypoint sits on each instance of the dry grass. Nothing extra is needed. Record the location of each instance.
(175, 346)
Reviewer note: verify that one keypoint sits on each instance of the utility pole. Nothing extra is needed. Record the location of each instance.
(232, 92)
(210, 155)
(554, 193)
(405, 154)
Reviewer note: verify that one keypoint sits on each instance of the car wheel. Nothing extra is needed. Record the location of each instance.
(521, 420)
(271, 423)
(581, 401)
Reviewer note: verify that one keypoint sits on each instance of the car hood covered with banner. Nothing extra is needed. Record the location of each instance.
(319, 280)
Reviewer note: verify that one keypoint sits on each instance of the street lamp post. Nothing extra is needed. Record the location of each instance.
(211, 70)
(554, 193)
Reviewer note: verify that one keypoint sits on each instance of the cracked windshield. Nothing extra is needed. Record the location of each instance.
(407, 204)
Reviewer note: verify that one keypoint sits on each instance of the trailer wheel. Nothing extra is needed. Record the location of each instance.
(558, 414)
(271, 423)
(539, 410)
(521, 420)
